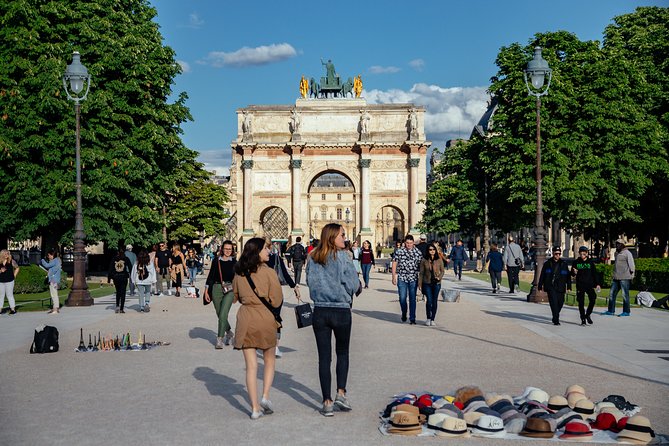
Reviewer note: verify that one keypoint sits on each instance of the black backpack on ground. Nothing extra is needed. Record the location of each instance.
(298, 253)
(45, 340)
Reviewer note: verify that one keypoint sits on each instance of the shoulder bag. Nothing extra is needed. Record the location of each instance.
(276, 312)
(304, 315)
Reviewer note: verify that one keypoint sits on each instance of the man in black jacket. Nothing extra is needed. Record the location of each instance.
(584, 270)
(555, 280)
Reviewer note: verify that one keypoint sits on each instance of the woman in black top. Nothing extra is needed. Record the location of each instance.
(119, 272)
(177, 268)
(8, 271)
(219, 289)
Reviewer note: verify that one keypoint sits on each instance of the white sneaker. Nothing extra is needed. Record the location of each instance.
(427, 322)
(278, 352)
(433, 324)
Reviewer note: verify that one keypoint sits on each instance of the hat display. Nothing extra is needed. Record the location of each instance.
(605, 422)
(603, 404)
(522, 398)
(537, 428)
(435, 420)
(574, 397)
(637, 430)
(613, 411)
(489, 426)
(575, 388)
(451, 427)
(577, 430)
(557, 402)
(405, 408)
(564, 416)
(538, 395)
(622, 404)
(471, 418)
(585, 408)
(403, 423)
(451, 410)
(424, 401)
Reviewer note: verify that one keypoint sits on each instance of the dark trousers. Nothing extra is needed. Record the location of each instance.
(495, 278)
(580, 297)
(431, 291)
(661, 303)
(120, 284)
(297, 266)
(457, 267)
(327, 321)
(556, 301)
(512, 271)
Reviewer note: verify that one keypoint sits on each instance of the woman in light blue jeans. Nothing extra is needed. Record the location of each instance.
(192, 263)
(144, 275)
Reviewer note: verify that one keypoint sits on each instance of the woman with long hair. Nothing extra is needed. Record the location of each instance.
(219, 290)
(54, 266)
(257, 288)
(429, 281)
(332, 281)
(355, 250)
(8, 271)
(177, 268)
(144, 275)
(192, 263)
(366, 261)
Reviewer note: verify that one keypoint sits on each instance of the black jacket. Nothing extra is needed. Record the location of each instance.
(555, 276)
(124, 272)
(585, 272)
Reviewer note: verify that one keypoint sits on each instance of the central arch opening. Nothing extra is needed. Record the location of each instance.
(332, 200)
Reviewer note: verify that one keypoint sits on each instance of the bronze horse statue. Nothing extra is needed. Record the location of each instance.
(314, 88)
(347, 87)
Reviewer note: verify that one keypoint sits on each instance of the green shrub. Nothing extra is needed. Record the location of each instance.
(650, 273)
(31, 280)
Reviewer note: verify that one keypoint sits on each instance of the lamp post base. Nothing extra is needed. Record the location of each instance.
(79, 298)
(537, 296)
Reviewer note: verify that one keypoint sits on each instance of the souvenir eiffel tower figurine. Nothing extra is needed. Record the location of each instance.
(96, 341)
(144, 347)
(117, 344)
(90, 343)
(82, 346)
(128, 344)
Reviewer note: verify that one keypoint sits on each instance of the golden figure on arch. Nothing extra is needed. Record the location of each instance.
(304, 87)
(357, 85)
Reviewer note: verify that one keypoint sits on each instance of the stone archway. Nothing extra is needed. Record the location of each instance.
(331, 199)
(274, 223)
(390, 225)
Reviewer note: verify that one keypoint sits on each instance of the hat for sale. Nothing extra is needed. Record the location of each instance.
(489, 426)
(613, 411)
(575, 397)
(605, 422)
(602, 404)
(637, 430)
(538, 395)
(472, 418)
(537, 428)
(423, 401)
(403, 423)
(557, 402)
(451, 410)
(564, 416)
(577, 430)
(435, 420)
(585, 408)
(451, 427)
(522, 398)
(575, 388)
(406, 408)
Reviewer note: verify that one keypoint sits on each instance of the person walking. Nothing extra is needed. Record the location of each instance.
(555, 279)
(256, 287)
(405, 269)
(144, 276)
(133, 260)
(429, 281)
(495, 266)
(513, 259)
(366, 261)
(162, 264)
(119, 272)
(298, 254)
(584, 270)
(276, 263)
(9, 269)
(177, 268)
(332, 281)
(355, 251)
(192, 264)
(54, 266)
(459, 257)
(218, 289)
(623, 273)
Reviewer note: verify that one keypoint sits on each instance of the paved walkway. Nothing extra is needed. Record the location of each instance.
(189, 393)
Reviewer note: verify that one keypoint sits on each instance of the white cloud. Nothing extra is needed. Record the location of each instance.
(417, 64)
(449, 112)
(185, 67)
(251, 56)
(194, 20)
(378, 69)
(216, 160)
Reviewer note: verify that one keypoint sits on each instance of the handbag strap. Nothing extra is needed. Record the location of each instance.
(220, 274)
(262, 299)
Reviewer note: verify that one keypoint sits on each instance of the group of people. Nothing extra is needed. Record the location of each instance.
(253, 283)
(9, 269)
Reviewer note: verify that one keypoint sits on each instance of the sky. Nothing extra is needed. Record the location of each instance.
(436, 53)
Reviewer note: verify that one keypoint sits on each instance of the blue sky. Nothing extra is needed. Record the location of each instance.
(435, 53)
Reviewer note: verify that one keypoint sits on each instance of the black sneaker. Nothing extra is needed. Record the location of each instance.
(404, 318)
(587, 318)
(412, 322)
(583, 323)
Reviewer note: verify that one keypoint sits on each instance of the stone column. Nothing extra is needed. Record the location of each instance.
(296, 198)
(414, 216)
(364, 164)
(247, 222)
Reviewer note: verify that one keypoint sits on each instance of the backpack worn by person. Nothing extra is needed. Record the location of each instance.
(45, 340)
(298, 253)
(142, 272)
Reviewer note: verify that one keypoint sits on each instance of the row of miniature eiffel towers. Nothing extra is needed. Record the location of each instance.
(111, 343)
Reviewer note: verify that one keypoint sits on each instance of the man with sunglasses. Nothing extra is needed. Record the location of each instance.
(584, 270)
(555, 280)
(162, 260)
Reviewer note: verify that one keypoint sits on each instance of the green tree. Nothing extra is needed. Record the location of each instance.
(130, 135)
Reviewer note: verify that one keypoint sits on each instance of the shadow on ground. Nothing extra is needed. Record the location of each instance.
(203, 333)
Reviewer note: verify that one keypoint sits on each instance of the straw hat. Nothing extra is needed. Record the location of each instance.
(489, 426)
(557, 402)
(537, 428)
(575, 388)
(403, 423)
(574, 397)
(585, 408)
(538, 395)
(452, 427)
(637, 430)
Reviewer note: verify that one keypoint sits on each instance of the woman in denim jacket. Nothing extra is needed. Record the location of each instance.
(54, 266)
(332, 280)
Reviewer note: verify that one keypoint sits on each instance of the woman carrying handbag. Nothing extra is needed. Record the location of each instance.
(219, 290)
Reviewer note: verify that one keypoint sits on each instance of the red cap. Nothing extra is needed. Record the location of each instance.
(424, 401)
(604, 422)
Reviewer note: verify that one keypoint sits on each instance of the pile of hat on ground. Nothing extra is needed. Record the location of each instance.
(469, 412)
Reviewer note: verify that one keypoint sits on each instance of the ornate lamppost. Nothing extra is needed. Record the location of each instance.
(538, 70)
(77, 76)
(348, 220)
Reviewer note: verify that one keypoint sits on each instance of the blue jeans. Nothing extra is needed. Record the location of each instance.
(366, 267)
(616, 285)
(431, 291)
(144, 295)
(457, 267)
(192, 272)
(410, 288)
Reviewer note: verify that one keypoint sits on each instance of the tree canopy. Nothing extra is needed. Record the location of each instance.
(603, 136)
(131, 148)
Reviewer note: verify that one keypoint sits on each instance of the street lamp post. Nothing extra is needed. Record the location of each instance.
(348, 220)
(77, 76)
(537, 70)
